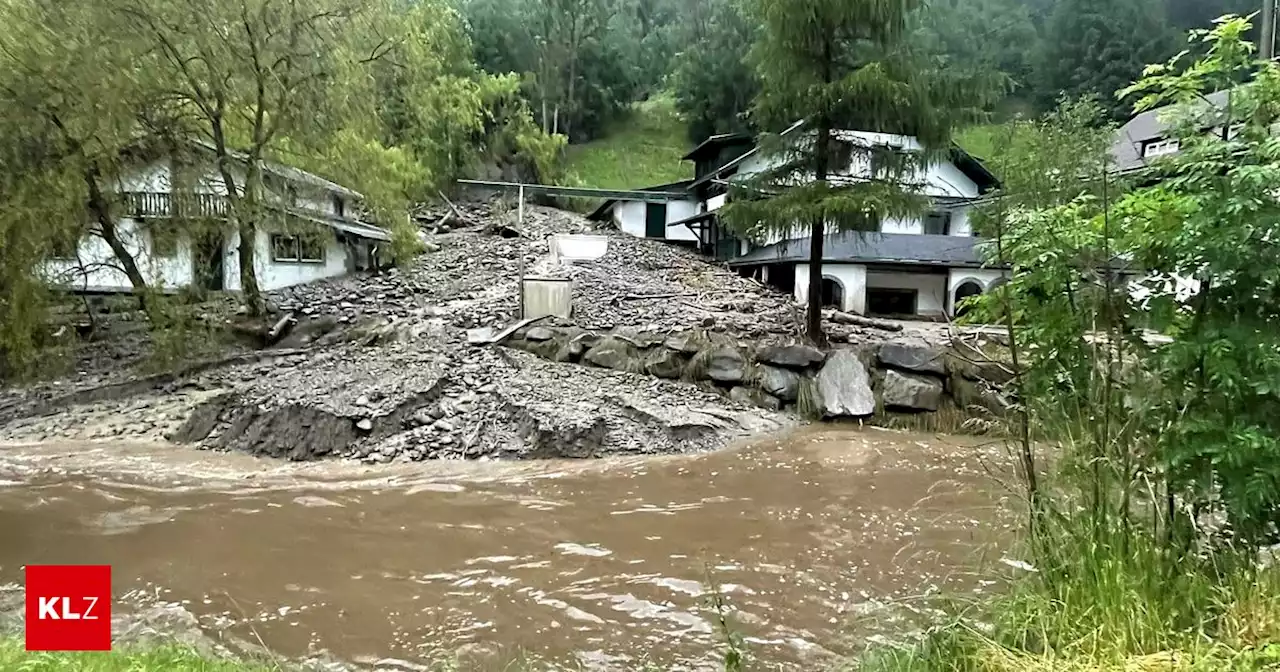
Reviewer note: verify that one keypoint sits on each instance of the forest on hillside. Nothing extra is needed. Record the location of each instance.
(583, 62)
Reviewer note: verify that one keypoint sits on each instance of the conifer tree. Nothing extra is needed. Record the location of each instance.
(844, 65)
(1097, 47)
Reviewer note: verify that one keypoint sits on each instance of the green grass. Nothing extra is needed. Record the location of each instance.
(642, 150)
(1104, 603)
(13, 658)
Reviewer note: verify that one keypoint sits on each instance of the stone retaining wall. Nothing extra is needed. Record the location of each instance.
(849, 382)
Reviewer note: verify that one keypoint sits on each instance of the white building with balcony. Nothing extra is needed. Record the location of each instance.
(180, 236)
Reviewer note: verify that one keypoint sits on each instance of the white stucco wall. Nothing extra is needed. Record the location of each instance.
(629, 216)
(942, 179)
(985, 277)
(852, 276)
(931, 289)
(91, 271)
(278, 274)
(676, 211)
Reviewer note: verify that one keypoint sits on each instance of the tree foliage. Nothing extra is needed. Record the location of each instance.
(838, 65)
(1185, 427)
(1098, 47)
(714, 83)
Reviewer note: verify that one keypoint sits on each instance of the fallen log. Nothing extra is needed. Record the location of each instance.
(281, 329)
(859, 321)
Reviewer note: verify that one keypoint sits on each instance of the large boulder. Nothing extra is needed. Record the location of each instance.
(904, 391)
(540, 334)
(913, 358)
(792, 356)
(726, 365)
(683, 342)
(753, 397)
(845, 387)
(664, 363)
(781, 383)
(616, 354)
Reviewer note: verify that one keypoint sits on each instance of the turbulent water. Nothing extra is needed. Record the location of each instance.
(815, 541)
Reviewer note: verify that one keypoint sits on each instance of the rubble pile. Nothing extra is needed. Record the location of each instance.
(659, 356)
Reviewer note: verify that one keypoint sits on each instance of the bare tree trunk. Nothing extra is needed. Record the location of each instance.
(245, 208)
(107, 227)
(817, 238)
(101, 209)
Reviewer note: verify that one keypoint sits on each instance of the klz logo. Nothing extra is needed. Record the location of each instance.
(68, 608)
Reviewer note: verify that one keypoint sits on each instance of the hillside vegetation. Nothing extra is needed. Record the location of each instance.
(641, 150)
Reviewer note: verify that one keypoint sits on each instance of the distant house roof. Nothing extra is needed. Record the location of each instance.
(971, 166)
(715, 142)
(288, 172)
(602, 213)
(875, 247)
(1126, 153)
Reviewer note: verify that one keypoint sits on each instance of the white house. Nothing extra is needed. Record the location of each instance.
(180, 237)
(918, 267)
(653, 212)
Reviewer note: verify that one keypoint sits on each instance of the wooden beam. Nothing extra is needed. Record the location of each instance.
(580, 192)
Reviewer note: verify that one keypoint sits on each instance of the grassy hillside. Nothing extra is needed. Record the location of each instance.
(641, 150)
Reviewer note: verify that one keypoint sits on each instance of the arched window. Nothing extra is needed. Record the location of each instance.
(832, 293)
(965, 290)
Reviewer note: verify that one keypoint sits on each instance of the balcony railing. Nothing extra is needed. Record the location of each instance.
(143, 204)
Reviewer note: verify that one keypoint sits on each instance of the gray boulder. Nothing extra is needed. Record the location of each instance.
(682, 342)
(792, 356)
(611, 353)
(539, 334)
(780, 383)
(752, 397)
(845, 387)
(910, 392)
(913, 358)
(664, 363)
(726, 365)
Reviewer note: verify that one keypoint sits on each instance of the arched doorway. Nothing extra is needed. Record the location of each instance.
(832, 293)
(966, 289)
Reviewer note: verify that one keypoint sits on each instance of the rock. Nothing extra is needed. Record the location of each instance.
(780, 383)
(540, 334)
(845, 387)
(481, 336)
(913, 358)
(664, 363)
(682, 342)
(615, 354)
(753, 397)
(362, 401)
(910, 392)
(792, 356)
(444, 425)
(365, 425)
(970, 394)
(726, 365)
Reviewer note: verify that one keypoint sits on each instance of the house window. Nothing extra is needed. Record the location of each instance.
(164, 239)
(301, 249)
(891, 302)
(938, 224)
(310, 249)
(339, 208)
(64, 248)
(1160, 148)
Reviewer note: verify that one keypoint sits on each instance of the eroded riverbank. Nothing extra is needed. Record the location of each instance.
(606, 562)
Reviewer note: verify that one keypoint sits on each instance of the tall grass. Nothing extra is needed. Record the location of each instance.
(14, 658)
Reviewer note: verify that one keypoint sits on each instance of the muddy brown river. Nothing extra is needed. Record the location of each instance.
(817, 542)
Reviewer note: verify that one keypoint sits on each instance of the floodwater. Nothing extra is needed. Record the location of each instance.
(816, 542)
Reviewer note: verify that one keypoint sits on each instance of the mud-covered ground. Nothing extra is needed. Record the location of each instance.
(379, 368)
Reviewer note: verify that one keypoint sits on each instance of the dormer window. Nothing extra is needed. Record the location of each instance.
(1160, 147)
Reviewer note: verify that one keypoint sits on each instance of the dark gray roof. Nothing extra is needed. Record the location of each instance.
(873, 247)
(1126, 153)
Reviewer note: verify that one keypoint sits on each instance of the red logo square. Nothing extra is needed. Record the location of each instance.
(68, 607)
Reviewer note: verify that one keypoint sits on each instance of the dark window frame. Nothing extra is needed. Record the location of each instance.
(296, 248)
